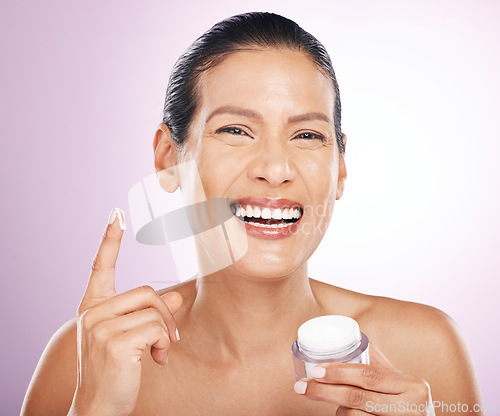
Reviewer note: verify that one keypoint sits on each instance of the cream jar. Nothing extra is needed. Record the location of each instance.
(328, 339)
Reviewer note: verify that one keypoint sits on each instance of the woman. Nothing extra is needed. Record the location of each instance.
(254, 106)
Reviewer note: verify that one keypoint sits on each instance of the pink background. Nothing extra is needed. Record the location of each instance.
(82, 92)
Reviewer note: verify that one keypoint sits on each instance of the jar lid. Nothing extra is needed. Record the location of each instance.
(329, 334)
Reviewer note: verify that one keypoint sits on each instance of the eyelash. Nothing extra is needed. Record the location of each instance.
(313, 135)
(232, 130)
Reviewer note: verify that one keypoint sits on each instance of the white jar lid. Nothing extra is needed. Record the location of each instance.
(329, 334)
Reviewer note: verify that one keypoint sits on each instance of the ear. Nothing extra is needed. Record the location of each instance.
(342, 171)
(165, 158)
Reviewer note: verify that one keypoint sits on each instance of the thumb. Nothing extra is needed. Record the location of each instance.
(378, 359)
(173, 300)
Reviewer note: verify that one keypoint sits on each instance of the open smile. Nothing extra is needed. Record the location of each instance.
(268, 218)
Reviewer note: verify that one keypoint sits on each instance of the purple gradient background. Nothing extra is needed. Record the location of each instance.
(82, 93)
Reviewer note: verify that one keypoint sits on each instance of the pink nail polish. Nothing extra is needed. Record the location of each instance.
(300, 387)
(318, 372)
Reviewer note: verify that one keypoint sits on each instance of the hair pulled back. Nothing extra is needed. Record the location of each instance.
(244, 31)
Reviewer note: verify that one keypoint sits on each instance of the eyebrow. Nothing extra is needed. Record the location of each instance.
(229, 109)
(309, 116)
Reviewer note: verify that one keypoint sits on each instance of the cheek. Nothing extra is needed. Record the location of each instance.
(321, 174)
(216, 171)
(321, 181)
(190, 174)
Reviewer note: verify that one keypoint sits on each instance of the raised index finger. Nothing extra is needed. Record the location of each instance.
(102, 277)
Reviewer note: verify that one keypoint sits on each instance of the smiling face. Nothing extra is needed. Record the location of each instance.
(263, 135)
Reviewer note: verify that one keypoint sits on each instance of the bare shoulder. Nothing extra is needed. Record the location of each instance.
(421, 330)
(417, 339)
(53, 383)
(424, 341)
(391, 323)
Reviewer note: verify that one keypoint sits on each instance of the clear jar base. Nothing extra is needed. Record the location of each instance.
(303, 363)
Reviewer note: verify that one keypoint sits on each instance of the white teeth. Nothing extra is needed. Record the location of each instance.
(249, 211)
(277, 215)
(266, 214)
(286, 214)
(280, 225)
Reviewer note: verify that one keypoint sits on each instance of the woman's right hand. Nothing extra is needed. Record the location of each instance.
(114, 331)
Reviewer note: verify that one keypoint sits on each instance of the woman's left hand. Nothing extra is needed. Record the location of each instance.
(375, 389)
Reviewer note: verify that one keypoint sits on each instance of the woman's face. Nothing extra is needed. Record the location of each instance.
(263, 135)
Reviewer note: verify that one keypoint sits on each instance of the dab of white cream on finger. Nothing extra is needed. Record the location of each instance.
(121, 218)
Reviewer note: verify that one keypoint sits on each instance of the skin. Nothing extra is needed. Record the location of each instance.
(237, 325)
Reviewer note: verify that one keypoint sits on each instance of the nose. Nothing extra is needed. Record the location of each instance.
(272, 164)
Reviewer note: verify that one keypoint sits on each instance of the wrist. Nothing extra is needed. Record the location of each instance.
(82, 407)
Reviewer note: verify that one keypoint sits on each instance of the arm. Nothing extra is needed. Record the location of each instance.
(93, 364)
(53, 384)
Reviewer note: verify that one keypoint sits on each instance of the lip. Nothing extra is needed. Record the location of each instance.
(269, 233)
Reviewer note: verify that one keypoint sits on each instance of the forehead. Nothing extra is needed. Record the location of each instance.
(269, 81)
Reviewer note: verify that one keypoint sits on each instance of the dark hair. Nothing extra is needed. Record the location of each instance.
(239, 32)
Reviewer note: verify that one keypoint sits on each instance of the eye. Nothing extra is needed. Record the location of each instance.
(309, 135)
(231, 130)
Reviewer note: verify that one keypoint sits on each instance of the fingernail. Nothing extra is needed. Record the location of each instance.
(166, 360)
(300, 387)
(112, 217)
(177, 334)
(318, 372)
(117, 212)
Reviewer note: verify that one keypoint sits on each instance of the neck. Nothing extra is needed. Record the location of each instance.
(241, 317)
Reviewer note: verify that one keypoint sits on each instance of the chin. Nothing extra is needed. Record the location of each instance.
(259, 267)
